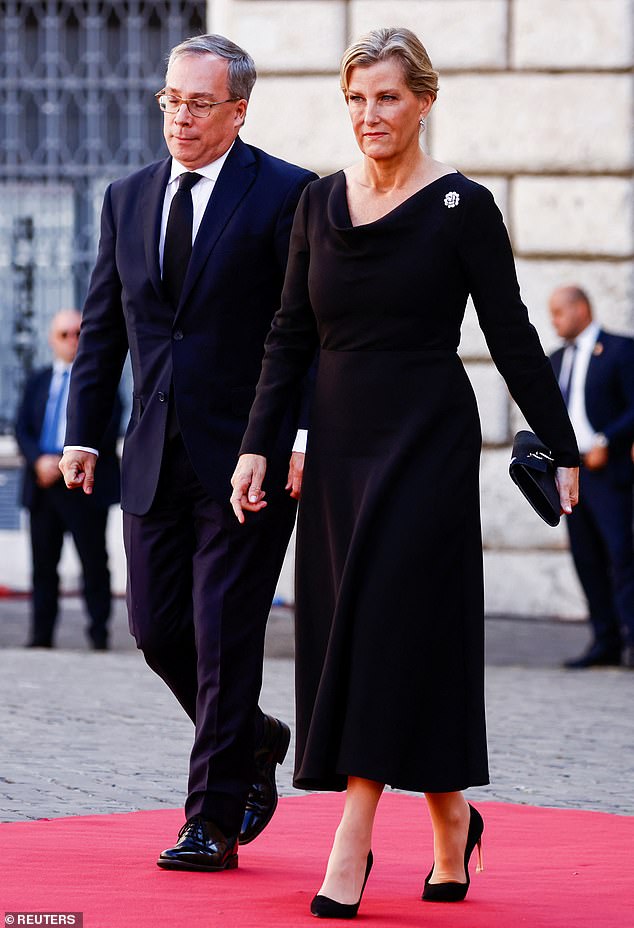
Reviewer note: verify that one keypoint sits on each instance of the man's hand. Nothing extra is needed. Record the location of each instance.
(247, 485)
(596, 458)
(47, 470)
(78, 470)
(295, 474)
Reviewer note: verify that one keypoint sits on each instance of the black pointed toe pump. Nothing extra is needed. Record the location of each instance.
(323, 907)
(455, 892)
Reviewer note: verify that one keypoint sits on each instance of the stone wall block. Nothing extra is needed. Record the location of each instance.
(570, 34)
(513, 123)
(493, 401)
(458, 34)
(303, 120)
(290, 35)
(573, 215)
(532, 583)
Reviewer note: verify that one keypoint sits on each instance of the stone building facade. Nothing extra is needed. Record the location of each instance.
(536, 103)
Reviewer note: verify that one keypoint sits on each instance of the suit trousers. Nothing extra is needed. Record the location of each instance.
(54, 512)
(200, 587)
(601, 542)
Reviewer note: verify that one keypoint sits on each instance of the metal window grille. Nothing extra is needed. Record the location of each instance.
(76, 110)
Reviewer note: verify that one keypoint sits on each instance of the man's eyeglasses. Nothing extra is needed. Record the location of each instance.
(72, 333)
(169, 103)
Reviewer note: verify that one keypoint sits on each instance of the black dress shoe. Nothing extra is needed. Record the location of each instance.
(200, 846)
(98, 638)
(596, 656)
(262, 799)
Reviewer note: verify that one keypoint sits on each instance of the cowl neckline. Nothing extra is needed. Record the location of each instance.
(339, 212)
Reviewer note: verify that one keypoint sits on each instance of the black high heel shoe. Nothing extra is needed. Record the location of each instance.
(323, 907)
(455, 892)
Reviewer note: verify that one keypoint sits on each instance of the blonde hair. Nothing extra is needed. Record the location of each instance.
(396, 42)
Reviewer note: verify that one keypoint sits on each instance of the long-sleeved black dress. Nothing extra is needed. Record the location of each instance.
(389, 595)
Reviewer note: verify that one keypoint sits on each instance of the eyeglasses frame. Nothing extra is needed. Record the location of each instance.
(188, 100)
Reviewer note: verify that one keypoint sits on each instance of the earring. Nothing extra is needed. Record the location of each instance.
(422, 123)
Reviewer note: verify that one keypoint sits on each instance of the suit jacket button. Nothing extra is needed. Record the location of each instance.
(162, 397)
(178, 335)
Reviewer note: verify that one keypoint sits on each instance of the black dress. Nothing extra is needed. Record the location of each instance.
(389, 595)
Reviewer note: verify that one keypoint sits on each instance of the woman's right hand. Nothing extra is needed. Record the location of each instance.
(247, 481)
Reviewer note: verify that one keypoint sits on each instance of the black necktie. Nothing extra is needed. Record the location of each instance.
(178, 237)
(565, 383)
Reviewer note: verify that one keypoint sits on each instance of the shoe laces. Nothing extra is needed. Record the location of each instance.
(197, 829)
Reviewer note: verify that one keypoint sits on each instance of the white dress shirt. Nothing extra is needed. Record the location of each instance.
(201, 192)
(585, 344)
(57, 384)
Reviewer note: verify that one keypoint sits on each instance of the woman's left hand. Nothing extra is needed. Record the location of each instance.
(567, 480)
(295, 474)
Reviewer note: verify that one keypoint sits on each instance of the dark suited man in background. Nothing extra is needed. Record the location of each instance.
(39, 431)
(596, 374)
(194, 318)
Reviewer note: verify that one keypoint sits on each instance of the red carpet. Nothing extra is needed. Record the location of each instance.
(545, 868)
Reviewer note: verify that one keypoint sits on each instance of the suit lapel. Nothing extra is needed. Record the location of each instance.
(555, 360)
(152, 204)
(235, 179)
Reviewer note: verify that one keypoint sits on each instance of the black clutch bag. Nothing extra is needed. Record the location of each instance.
(532, 468)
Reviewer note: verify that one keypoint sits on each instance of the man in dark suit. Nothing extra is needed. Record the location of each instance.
(194, 318)
(596, 374)
(39, 431)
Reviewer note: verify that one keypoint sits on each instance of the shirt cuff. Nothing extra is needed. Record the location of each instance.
(80, 448)
(300, 441)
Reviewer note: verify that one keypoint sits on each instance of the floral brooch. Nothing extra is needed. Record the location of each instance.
(452, 199)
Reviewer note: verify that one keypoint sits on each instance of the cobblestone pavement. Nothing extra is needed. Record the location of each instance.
(86, 732)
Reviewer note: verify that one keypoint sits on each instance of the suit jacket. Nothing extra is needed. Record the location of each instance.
(28, 428)
(609, 398)
(209, 350)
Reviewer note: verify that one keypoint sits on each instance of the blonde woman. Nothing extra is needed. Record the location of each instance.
(389, 559)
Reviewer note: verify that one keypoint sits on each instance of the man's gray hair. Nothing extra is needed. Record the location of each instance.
(241, 73)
